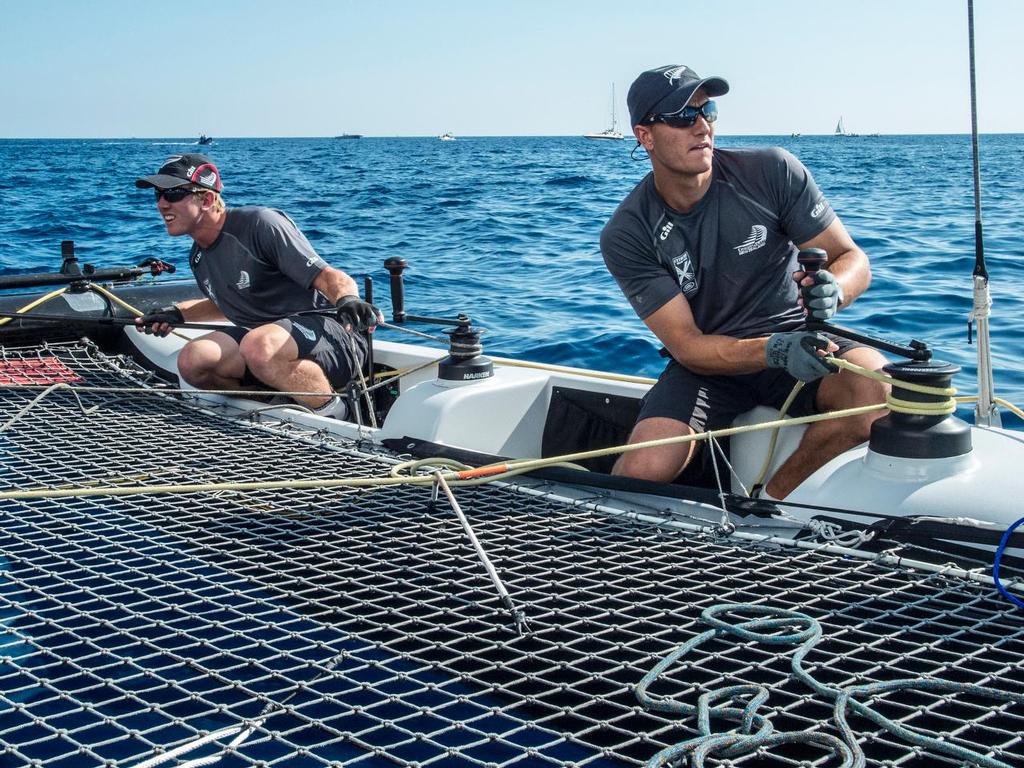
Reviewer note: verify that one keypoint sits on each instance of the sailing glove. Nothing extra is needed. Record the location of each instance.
(361, 315)
(797, 352)
(823, 297)
(159, 321)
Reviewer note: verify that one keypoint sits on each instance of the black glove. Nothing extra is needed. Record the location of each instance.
(797, 352)
(159, 321)
(822, 297)
(361, 315)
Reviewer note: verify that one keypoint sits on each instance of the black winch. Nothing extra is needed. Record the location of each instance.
(906, 435)
(918, 436)
(465, 361)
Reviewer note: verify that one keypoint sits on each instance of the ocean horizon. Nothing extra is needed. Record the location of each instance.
(506, 229)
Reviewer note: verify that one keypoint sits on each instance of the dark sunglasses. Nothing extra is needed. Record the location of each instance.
(175, 195)
(687, 116)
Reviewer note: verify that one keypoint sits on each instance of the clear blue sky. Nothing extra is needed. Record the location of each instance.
(120, 68)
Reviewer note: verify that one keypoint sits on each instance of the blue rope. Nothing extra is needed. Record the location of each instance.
(754, 731)
(995, 565)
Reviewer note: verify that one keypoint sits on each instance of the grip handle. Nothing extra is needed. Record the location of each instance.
(395, 267)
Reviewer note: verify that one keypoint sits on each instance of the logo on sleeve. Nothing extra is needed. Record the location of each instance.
(757, 238)
(685, 273)
(208, 290)
(818, 209)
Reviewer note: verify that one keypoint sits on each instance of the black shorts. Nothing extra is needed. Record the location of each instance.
(322, 339)
(708, 403)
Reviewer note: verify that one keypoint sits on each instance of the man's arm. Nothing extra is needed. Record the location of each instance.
(199, 310)
(333, 283)
(702, 353)
(846, 261)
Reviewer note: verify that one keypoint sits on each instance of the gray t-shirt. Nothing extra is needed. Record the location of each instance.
(733, 255)
(260, 268)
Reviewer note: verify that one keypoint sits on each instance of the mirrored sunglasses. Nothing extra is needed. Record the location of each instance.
(176, 194)
(687, 116)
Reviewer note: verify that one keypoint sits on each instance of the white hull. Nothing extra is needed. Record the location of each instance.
(505, 416)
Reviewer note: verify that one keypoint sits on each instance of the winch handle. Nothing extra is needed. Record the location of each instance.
(811, 259)
(395, 267)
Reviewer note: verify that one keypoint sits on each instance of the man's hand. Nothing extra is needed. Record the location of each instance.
(359, 314)
(159, 321)
(798, 353)
(821, 296)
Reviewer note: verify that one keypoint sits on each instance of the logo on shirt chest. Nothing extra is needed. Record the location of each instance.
(243, 281)
(756, 239)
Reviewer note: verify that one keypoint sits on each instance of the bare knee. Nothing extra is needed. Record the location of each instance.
(661, 463)
(265, 348)
(196, 363)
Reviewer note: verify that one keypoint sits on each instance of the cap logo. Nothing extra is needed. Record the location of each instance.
(209, 179)
(169, 161)
(191, 170)
(674, 73)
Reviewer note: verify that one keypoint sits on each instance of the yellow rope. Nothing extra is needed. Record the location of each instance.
(121, 302)
(499, 471)
(115, 298)
(485, 474)
(33, 304)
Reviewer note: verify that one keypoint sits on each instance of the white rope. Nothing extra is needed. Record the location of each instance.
(243, 731)
(60, 385)
(506, 600)
(985, 412)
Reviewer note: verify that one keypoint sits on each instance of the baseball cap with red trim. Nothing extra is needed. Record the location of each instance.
(179, 170)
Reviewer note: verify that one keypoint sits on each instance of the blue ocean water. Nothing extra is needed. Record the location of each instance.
(506, 229)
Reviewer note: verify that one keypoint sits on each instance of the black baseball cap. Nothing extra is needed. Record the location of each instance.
(180, 170)
(667, 89)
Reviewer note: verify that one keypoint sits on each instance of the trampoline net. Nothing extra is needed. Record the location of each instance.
(358, 627)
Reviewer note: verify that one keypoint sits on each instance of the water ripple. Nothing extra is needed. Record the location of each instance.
(506, 229)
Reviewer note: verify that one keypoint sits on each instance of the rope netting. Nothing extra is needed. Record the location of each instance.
(312, 627)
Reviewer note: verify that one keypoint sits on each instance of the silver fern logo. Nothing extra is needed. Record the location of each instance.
(674, 74)
(757, 238)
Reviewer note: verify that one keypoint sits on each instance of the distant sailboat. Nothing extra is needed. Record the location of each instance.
(608, 133)
(841, 129)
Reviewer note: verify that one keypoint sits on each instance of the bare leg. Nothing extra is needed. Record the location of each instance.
(272, 355)
(663, 463)
(212, 361)
(824, 440)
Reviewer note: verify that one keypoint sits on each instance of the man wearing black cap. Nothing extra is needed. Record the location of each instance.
(705, 250)
(257, 270)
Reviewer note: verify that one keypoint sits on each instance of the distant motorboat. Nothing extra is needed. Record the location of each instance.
(608, 133)
(794, 135)
(350, 136)
(204, 140)
(446, 137)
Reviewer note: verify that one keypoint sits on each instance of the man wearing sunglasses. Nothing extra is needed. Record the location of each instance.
(257, 270)
(705, 249)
